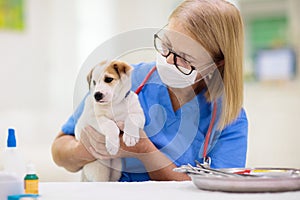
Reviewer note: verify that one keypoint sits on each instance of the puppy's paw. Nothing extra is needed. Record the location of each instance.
(130, 140)
(112, 146)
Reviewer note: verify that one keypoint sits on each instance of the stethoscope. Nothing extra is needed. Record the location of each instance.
(206, 159)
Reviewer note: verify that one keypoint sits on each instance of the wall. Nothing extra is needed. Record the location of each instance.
(273, 106)
(253, 9)
(38, 71)
(273, 113)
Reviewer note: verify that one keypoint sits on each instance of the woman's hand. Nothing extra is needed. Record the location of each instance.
(70, 153)
(73, 154)
(159, 167)
(94, 142)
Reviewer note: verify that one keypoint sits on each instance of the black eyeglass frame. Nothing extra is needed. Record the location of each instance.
(175, 55)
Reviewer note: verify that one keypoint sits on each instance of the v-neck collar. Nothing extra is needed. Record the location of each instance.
(165, 100)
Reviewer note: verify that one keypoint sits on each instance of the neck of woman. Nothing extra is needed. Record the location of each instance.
(180, 96)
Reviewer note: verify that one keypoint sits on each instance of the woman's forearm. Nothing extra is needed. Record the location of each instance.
(159, 167)
(69, 153)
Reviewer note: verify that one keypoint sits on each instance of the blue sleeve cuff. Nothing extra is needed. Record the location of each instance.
(69, 127)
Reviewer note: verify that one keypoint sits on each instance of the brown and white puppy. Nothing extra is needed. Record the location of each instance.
(109, 101)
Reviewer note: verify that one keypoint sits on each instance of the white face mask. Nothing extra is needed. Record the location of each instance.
(171, 76)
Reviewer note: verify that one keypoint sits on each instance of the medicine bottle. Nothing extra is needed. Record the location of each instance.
(13, 159)
(31, 180)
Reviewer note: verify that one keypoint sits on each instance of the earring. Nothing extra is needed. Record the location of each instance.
(209, 76)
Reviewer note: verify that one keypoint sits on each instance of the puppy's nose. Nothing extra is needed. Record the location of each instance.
(98, 96)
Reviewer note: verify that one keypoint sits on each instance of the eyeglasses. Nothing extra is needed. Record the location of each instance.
(161, 47)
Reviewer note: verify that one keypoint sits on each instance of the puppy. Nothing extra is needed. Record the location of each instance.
(109, 101)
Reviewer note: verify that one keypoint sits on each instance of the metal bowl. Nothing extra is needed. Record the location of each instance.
(261, 180)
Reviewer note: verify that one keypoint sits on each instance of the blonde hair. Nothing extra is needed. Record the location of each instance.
(218, 27)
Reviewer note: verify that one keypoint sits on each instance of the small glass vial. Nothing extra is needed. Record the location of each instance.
(31, 180)
(13, 159)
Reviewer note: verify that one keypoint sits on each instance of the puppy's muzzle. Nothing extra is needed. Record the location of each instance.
(98, 96)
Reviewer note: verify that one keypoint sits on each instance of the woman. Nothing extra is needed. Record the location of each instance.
(192, 102)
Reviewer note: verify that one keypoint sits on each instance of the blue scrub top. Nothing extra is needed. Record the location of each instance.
(179, 135)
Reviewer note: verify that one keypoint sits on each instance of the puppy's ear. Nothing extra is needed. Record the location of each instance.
(89, 77)
(122, 68)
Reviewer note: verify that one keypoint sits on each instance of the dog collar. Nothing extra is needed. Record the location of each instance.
(126, 95)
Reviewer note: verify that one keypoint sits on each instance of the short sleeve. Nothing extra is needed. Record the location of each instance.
(231, 148)
(69, 127)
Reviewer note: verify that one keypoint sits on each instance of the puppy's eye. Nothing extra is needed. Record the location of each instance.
(94, 82)
(108, 79)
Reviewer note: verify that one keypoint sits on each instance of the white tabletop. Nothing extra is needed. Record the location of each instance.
(147, 190)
